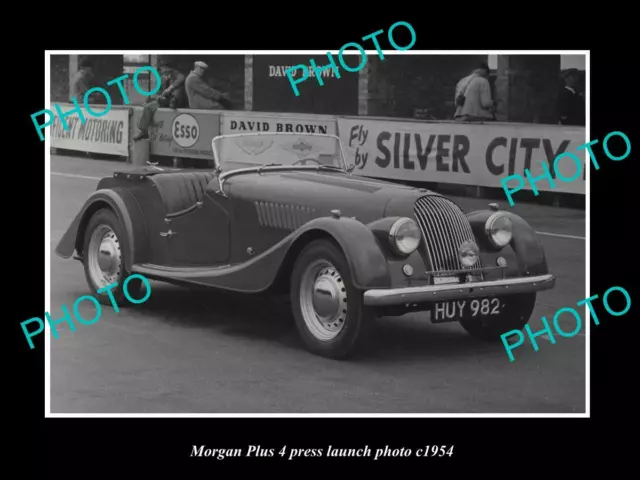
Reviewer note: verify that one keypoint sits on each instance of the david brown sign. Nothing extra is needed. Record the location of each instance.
(182, 133)
(276, 122)
(272, 90)
(108, 134)
(467, 154)
(281, 71)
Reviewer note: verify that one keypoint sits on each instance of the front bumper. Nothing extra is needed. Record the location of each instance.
(430, 293)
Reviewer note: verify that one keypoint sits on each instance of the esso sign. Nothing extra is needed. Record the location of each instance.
(185, 130)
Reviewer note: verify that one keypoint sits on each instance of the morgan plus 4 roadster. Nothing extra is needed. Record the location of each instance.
(283, 213)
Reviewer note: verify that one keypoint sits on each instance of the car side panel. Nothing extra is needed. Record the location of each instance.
(248, 232)
(367, 262)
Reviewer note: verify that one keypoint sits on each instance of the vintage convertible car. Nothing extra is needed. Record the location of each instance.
(283, 213)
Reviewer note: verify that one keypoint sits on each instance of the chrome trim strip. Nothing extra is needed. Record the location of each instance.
(427, 236)
(423, 209)
(448, 231)
(399, 296)
(441, 236)
(462, 234)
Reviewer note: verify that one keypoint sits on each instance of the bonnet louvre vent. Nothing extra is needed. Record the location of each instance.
(282, 216)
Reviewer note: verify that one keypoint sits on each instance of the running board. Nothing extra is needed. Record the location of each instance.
(237, 278)
(164, 271)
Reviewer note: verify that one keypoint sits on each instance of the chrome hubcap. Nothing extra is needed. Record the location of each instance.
(104, 257)
(323, 300)
(326, 299)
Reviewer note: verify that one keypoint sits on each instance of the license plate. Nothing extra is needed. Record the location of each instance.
(441, 280)
(454, 310)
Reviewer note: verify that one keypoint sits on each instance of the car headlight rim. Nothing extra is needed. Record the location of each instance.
(405, 245)
(502, 237)
(469, 253)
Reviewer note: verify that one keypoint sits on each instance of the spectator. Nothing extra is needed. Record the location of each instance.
(473, 96)
(571, 106)
(173, 96)
(201, 95)
(82, 81)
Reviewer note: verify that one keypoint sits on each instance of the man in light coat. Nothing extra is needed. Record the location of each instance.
(476, 91)
(201, 95)
(82, 81)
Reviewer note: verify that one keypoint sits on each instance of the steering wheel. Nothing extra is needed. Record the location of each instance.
(305, 160)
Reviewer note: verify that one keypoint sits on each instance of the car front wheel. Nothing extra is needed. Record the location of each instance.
(103, 258)
(514, 317)
(327, 308)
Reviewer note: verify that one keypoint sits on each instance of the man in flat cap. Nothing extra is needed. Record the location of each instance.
(173, 96)
(81, 81)
(201, 95)
(571, 106)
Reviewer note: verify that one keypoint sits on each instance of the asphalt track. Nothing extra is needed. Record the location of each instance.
(186, 352)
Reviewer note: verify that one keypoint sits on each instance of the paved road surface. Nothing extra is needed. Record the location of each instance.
(184, 352)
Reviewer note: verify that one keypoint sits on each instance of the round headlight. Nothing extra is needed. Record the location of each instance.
(468, 254)
(499, 229)
(404, 236)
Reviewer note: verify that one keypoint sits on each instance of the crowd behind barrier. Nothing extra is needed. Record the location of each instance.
(410, 150)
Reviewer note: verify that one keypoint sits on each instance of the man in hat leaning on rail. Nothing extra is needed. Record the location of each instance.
(201, 95)
(173, 96)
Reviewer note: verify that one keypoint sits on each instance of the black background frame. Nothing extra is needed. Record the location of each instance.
(86, 447)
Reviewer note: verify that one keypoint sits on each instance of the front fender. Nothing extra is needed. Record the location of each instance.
(527, 247)
(124, 205)
(366, 259)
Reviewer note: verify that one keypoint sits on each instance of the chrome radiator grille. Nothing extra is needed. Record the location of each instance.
(444, 228)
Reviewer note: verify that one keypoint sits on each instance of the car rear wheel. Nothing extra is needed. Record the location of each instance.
(104, 258)
(515, 316)
(327, 308)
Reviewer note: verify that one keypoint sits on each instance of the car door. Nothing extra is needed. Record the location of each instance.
(200, 237)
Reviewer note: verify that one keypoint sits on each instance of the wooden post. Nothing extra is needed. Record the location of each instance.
(502, 88)
(526, 87)
(73, 69)
(363, 90)
(140, 152)
(248, 82)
